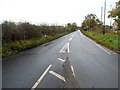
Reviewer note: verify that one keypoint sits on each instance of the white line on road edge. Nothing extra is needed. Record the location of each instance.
(68, 48)
(98, 45)
(39, 80)
(70, 39)
(81, 34)
(72, 70)
(61, 59)
(103, 49)
(57, 75)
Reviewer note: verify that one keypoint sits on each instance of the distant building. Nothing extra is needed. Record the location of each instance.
(115, 26)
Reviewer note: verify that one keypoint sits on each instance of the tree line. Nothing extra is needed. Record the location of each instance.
(115, 13)
(91, 21)
(12, 32)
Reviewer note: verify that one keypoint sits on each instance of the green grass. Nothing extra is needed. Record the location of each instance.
(109, 40)
(9, 49)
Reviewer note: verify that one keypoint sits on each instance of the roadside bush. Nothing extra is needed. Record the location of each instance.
(20, 36)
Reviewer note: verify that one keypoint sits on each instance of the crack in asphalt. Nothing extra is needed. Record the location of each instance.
(71, 82)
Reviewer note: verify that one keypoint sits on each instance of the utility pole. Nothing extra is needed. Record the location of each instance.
(104, 18)
(110, 17)
(101, 14)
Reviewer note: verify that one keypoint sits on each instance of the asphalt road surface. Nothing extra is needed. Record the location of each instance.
(72, 61)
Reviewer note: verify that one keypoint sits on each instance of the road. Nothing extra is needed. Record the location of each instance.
(72, 61)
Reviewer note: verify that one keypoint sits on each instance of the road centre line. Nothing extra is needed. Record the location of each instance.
(72, 70)
(57, 75)
(41, 77)
(61, 59)
(63, 48)
(66, 46)
(72, 35)
(70, 39)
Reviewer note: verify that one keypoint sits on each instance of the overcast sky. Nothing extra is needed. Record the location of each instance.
(51, 11)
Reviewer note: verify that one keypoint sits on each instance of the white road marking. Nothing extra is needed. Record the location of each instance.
(97, 44)
(102, 48)
(61, 59)
(40, 79)
(72, 70)
(70, 39)
(57, 75)
(82, 35)
(63, 48)
(72, 35)
(66, 47)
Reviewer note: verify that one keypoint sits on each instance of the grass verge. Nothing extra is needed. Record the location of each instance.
(9, 49)
(108, 40)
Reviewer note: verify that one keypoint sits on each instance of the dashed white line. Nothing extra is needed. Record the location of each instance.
(72, 35)
(61, 59)
(57, 75)
(68, 48)
(40, 79)
(70, 39)
(72, 70)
